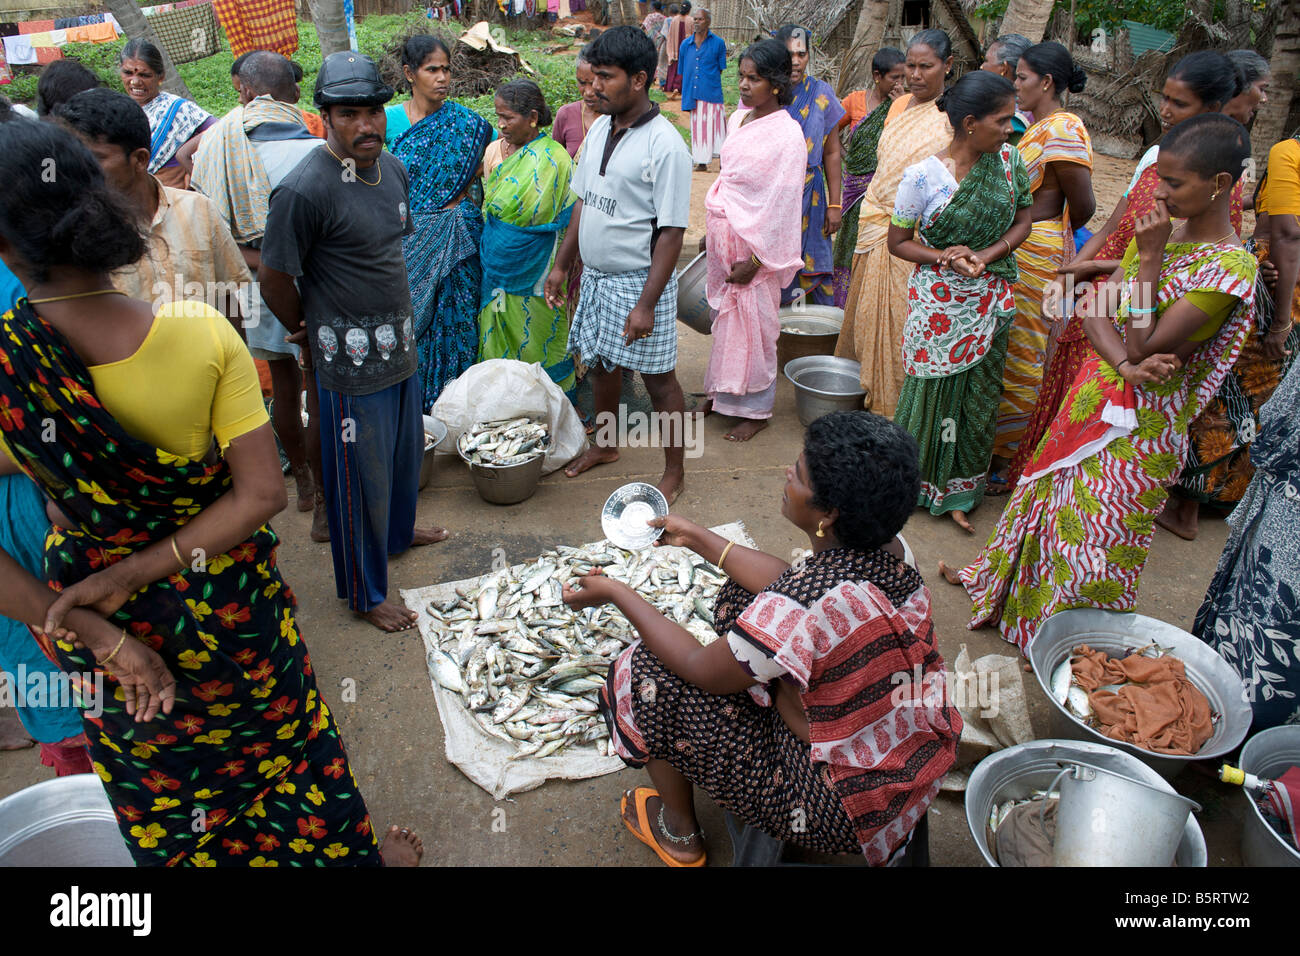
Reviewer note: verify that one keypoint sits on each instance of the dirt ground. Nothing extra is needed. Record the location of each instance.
(392, 729)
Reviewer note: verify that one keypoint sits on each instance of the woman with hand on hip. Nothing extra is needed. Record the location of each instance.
(1057, 152)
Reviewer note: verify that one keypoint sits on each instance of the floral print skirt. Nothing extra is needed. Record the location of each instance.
(742, 755)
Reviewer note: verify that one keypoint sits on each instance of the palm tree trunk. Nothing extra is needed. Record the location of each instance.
(136, 27)
(868, 35)
(1028, 18)
(1270, 123)
(965, 33)
(331, 26)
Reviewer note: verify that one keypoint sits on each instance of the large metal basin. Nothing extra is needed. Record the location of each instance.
(66, 821)
(807, 330)
(1268, 754)
(1020, 770)
(1114, 633)
(823, 384)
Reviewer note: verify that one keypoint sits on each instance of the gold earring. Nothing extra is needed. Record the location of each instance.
(820, 532)
(1214, 195)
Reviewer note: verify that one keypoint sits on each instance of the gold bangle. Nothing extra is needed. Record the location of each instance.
(177, 551)
(1285, 328)
(1004, 240)
(834, 205)
(754, 259)
(730, 545)
(112, 655)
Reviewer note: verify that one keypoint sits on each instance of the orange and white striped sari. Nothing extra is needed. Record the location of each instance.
(1059, 138)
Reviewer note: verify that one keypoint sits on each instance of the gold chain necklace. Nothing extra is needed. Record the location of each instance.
(356, 174)
(1231, 234)
(75, 295)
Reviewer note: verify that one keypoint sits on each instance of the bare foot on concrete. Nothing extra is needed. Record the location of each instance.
(949, 574)
(389, 617)
(959, 519)
(1181, 517)
(747, 429)
(13, 736)
(306, 489)
(429, 536)
(401, 847)
(320, 525)
(672, 484)
(593, 456)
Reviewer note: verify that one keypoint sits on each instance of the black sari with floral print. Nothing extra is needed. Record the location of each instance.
(249, 767)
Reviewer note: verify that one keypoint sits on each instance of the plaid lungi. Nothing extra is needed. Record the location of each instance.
(188, 33)
(604, 303)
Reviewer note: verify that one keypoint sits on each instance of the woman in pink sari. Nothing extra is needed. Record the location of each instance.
(753, 239)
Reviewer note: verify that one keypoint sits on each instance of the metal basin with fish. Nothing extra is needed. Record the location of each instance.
(1115, 633)
(824, 383)
(1268, 755)
(1017, 772)
(67, 821)
(807, 330)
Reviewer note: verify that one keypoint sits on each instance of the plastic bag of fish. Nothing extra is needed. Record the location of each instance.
(529, 668)
(506, 441)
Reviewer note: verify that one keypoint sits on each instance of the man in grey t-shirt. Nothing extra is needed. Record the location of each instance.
(633, 188)
(336, 224)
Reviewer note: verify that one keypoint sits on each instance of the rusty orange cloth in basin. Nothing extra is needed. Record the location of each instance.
(1157, 708)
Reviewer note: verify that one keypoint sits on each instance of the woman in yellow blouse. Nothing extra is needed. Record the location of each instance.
(146, 432)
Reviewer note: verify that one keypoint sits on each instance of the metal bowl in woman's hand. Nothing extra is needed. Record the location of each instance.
(626, 513)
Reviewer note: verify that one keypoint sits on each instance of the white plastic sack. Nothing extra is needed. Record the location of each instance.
(990, 695)
(506, 388)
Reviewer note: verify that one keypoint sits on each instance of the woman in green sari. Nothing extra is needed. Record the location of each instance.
(526, 207)
(970, 204)
(869, 109)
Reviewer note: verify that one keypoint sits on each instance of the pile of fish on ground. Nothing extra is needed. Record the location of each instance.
(528, 668)
(507, 441)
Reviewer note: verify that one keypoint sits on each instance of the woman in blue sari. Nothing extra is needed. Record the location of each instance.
(441, 144)
(175, 124)
(527, 204)
(817, 109)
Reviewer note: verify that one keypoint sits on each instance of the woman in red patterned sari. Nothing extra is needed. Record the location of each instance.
(1202, 82)
(215, 746)
(794, 719)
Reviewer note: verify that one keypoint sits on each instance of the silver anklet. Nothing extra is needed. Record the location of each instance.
(663, 828)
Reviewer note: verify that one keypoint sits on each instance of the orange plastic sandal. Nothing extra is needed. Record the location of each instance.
(642, 795)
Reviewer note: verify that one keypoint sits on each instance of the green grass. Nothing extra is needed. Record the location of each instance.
(209, 79)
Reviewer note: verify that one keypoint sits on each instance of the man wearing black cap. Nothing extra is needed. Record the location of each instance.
(336, 224)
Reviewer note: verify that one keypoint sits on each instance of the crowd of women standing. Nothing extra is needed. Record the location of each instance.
(1109, 388)
(1097, 387)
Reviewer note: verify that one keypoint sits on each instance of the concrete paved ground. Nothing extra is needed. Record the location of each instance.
(392, 730)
